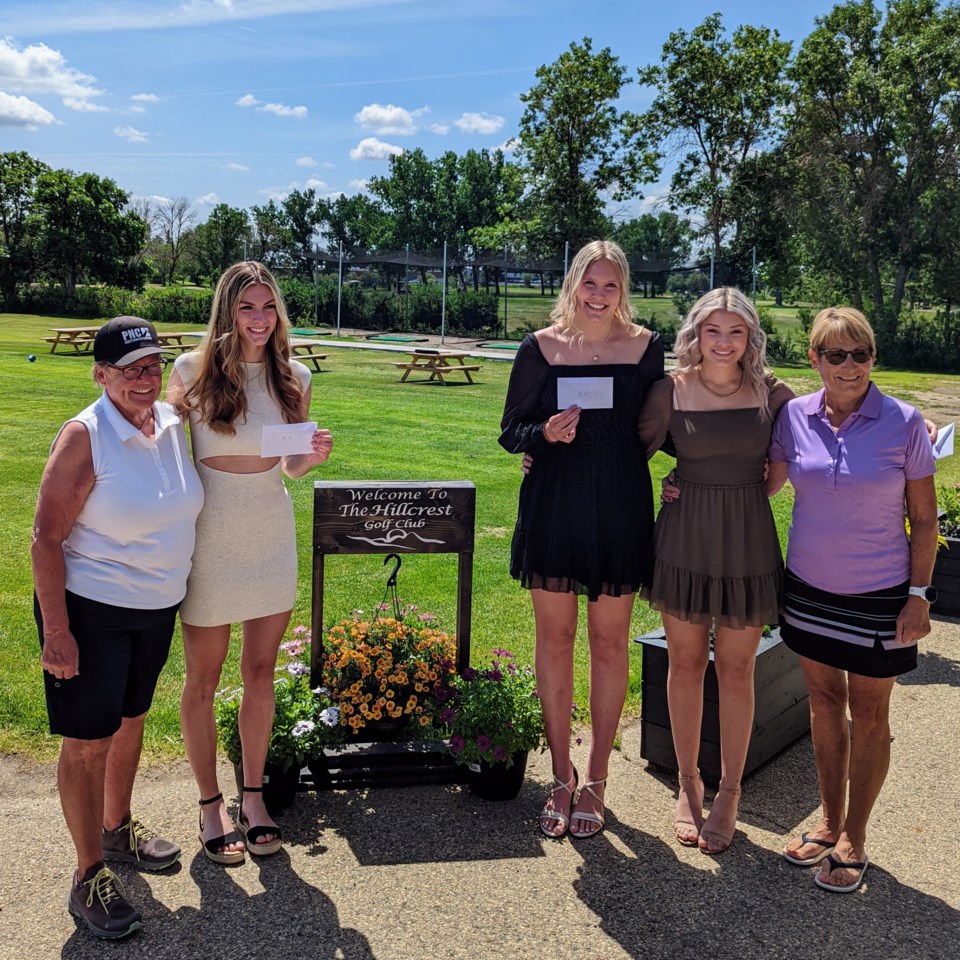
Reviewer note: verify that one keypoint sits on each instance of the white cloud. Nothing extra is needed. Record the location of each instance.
(479, 123)
(146, 97)
(441, 128)
(39, 69)
(205, 7)
(239, 167)
(359, 184)
(314, 184)
(208, 200)
(508, 146)
(136, 108)
(387, 119)
(306, 162)
(22, 112)
(84, 106)
(370, 148)
(281, 110)
(130, 133)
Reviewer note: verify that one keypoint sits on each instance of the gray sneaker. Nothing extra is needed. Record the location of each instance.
(134, 843)
(100, 904)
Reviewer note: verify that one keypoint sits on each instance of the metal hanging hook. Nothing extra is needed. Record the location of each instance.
(392, 579)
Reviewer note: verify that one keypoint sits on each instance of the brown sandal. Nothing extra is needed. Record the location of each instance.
(723, 839)
(685, 780)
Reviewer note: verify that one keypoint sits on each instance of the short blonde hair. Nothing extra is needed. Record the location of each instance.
(564, 311)
(841, 323)
(754, 360)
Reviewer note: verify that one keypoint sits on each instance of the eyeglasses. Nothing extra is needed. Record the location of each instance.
(836, 357)
(134, 372)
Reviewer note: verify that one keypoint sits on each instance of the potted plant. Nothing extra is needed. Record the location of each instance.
(305, 720)
(386, 673)
(946, 568)
(493, 720)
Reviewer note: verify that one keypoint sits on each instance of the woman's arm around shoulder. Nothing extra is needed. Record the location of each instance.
(66, 483)
(654, 421)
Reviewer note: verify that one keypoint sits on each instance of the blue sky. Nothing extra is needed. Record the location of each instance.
(237, 101)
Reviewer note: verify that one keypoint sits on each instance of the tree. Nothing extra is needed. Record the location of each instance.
(219, 241)
(875, 133)
(578, 150)
(84, 230)
(718, 102)
(19, 173)
(272, 240)
(173, 219)
(662, 240)
(304, 214)
(410, 200)
(357, 222)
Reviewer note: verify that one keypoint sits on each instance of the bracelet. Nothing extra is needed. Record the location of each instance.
(544, 431)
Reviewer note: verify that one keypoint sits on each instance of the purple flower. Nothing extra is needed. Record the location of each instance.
(509, 725)
(483, 743)
(494, 674)
(469, 673)
(578, 741)
(442, 694)
(448, 715)
(426, 617)
(301, 629)
(511, 669)
(457, 744)
(329, 717)
(297, 669)
(499, 753)
(536, 693)
(503, 653)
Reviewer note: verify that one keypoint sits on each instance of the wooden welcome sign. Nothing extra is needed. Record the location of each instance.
(415, 516)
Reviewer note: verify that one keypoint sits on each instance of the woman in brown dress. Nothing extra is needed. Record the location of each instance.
(717, 554)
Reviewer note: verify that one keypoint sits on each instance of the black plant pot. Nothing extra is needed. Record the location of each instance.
(497, 781)
(279, 786)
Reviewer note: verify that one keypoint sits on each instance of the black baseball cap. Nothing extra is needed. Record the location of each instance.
(123, 340)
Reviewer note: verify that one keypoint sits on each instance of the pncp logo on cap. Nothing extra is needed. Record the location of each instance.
(135, 333)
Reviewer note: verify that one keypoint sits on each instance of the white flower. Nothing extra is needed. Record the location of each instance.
(297, 668)
(330, 717)
(302, 727)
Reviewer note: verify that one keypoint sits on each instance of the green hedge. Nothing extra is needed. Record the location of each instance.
(470, 313)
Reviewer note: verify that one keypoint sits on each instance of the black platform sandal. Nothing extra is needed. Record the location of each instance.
(252, 834)
(215, 849)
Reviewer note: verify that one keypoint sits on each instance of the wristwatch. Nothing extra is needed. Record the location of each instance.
(924, 593)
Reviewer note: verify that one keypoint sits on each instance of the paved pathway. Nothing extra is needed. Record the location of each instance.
(431, 872)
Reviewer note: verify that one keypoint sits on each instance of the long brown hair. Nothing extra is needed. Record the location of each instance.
(219, 392)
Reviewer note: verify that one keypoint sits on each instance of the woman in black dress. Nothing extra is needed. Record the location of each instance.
(585, 521)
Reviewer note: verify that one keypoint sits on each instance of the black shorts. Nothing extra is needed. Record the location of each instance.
(122, 652)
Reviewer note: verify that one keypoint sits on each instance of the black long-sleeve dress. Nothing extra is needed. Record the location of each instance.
(585, 520)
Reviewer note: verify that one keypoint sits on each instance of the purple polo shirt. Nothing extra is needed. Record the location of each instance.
(847, 533)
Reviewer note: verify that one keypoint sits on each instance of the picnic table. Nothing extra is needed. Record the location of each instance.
(79, 338)
(438, 363)
(307, 351)
(174, 340)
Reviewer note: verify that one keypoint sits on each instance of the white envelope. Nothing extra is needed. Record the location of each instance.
(589, 393)
(283, 439)
(944, 445)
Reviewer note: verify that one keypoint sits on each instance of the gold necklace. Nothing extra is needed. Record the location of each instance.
(596, 353)
(707, 387)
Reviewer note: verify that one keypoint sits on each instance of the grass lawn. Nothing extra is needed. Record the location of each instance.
(382, 431)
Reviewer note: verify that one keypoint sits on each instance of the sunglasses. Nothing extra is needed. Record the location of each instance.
(134, 372)
(836, 357)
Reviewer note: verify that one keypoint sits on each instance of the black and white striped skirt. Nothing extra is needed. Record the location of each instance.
(853, 632)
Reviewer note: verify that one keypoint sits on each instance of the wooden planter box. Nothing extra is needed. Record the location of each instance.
(946, 578)
(782, 707)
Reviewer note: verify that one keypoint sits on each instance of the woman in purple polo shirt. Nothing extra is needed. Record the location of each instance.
(857, 591)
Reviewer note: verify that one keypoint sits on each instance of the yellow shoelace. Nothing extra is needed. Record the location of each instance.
(106, 886)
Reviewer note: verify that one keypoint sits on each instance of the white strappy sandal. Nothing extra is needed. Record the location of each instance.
(563, 818)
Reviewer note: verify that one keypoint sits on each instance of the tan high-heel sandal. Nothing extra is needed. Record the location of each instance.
(723, 839)
(563, 818)
(685, 779)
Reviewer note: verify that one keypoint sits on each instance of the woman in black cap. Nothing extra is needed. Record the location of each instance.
(111, 547)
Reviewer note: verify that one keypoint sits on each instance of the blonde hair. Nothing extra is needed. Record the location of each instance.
(754, 360)
(219, 392)
(841, 323)
(564, 311)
